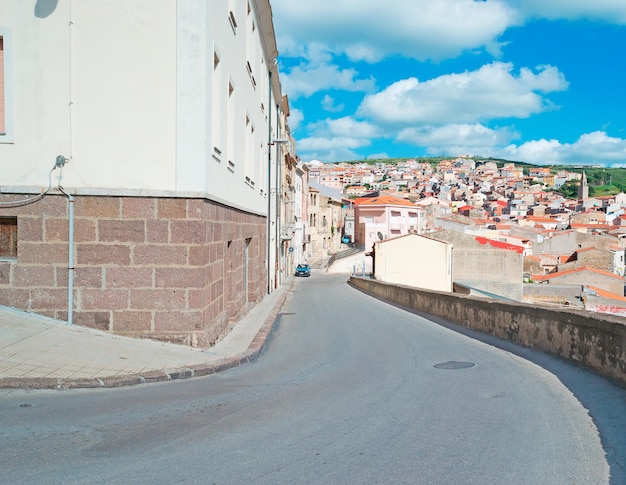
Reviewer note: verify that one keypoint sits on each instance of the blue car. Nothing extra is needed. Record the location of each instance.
(303, 270)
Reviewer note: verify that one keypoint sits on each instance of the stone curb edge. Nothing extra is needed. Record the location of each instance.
(198, 370)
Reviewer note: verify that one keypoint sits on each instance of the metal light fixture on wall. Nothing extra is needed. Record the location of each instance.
(279, 141)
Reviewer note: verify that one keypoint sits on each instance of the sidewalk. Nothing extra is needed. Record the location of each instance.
(42, 353)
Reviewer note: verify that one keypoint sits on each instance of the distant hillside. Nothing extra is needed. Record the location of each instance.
(433, 161)
(602, 180)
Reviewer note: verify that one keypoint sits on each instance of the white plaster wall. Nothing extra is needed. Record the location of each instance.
(40, 100)
(123, 93)
(241, 172)
(126, 91)
(100, 91)
(416, 261)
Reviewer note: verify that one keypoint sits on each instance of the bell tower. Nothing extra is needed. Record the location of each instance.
(583, 189)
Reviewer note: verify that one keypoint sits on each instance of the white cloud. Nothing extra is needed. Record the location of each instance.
(330, 149)
(380, 155)
(493, 91)
(307, 79)
(328, 104)
(317, 72)
(475, 135)
(371, 30)
(613, 11)
(348, 126)
(595, 147)
(328, 143)
(295, 118)
(337, 139)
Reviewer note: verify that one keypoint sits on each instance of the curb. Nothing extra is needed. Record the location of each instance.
(199, 370)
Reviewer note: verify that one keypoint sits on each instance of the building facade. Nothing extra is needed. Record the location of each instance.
(136, 181)
(414, 260)
(384, 217)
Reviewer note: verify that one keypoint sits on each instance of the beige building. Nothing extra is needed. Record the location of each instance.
(414, 260)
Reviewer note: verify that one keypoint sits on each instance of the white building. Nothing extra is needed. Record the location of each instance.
(156, 117)
(414, 260)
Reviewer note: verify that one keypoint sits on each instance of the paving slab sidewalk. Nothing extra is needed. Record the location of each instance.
(42, 353)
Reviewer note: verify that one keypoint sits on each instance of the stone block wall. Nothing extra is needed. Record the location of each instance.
(175, 269)
(594, 340)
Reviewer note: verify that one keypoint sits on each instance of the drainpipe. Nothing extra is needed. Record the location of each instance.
(60, 162)
(279, 190)
(269, 180)
(70, 260)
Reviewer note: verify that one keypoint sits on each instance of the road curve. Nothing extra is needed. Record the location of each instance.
(348, 390)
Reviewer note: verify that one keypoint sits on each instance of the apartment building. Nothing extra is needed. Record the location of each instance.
(384, 217)
(137, 167)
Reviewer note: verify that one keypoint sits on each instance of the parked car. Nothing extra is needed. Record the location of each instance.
(303, 270)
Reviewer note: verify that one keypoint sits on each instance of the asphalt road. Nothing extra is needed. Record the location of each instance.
(349, 390)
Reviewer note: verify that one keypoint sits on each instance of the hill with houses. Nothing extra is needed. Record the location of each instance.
(544, 234)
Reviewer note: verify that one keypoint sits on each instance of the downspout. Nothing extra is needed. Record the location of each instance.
(279, 190)
(70, 258)
(70, 198)
(70, 263)
(269, 180)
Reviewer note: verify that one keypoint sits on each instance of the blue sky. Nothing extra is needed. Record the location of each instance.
(540, 81)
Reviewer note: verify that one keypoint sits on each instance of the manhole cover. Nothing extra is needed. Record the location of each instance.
(453, 364)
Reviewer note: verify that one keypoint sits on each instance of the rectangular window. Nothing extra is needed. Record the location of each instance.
(2, 102)
(6, 93)
(217, 110)
(233, 22)
(8, 237)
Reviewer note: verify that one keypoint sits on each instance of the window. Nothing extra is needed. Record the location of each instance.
(6, 98)
(2, 109)
(233, 22)
(8, 237)
(218, 107)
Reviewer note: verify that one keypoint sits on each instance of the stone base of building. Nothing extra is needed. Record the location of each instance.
(173, 269)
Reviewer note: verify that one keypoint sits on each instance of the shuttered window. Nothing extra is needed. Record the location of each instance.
(8, 237)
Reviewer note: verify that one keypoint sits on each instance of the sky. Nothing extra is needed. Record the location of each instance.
(537, 81)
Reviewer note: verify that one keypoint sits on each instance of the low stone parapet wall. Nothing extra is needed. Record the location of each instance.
(593, 340)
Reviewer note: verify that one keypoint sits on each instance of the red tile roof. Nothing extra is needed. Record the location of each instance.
(385, 200)
(499, 244)
(575, 270)
(607, 294)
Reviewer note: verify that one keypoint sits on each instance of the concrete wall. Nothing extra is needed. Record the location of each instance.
(605, 281)
(485, 268)
(593, 340)
(566, 242)
(355, 264)
(553, 294)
